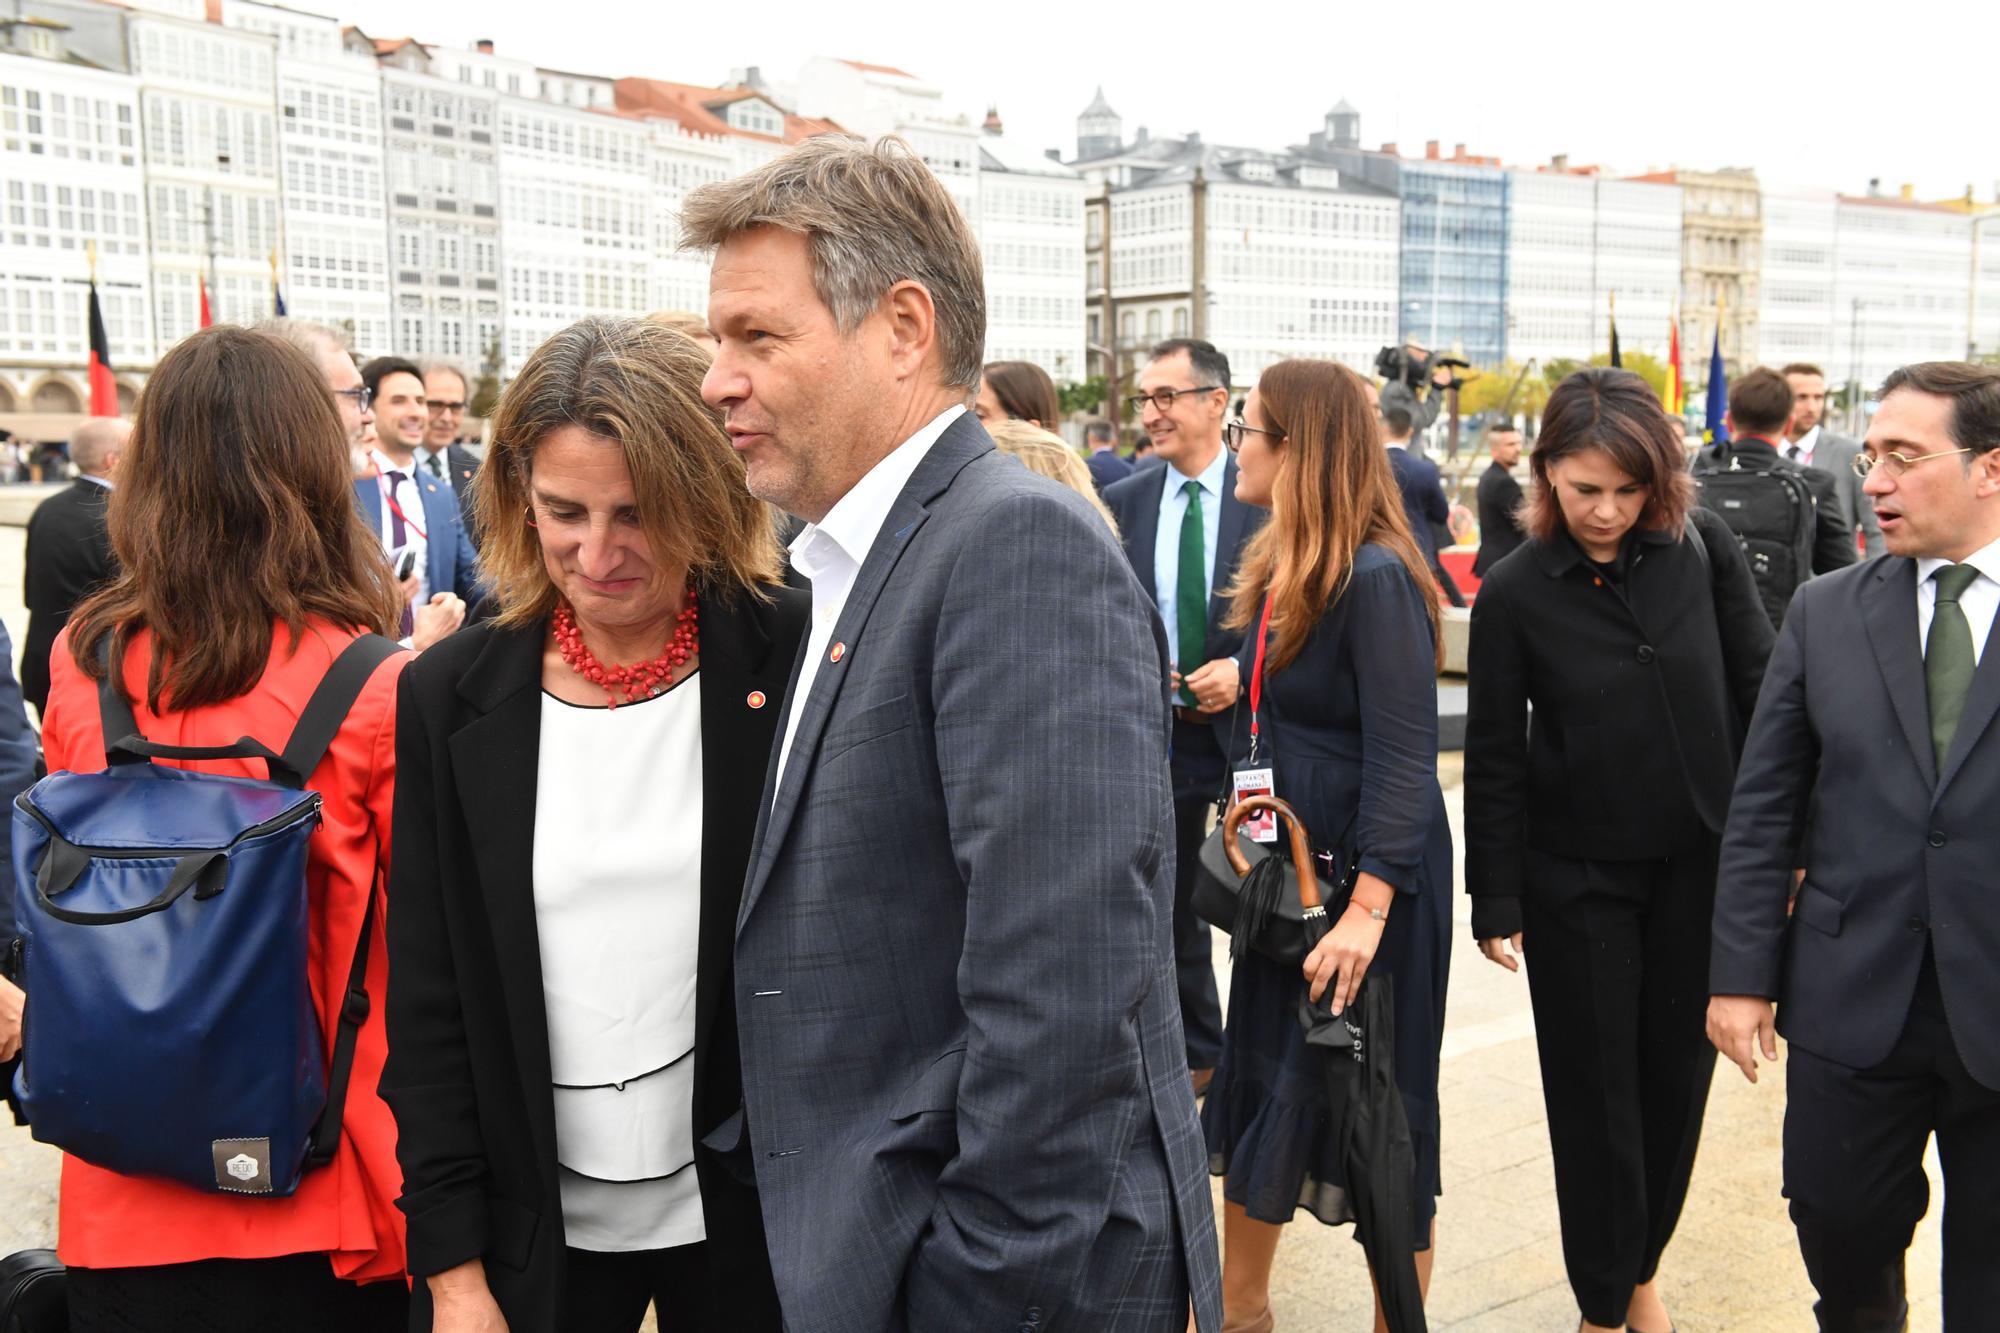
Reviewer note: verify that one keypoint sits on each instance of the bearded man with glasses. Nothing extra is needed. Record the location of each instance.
(1873, 761)
(1183, 530)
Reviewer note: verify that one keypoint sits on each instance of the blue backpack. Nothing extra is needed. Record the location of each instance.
(169, 1028)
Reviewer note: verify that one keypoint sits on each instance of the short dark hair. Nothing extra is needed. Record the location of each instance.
(382, 367)
(1397, 420)
(1503, 427)
(1802, 368)
(1207, 361)
(1025, 391)
(1618, 413)
(1097, 428)
(1760, 402)
(1142, 444)
(1974, 392)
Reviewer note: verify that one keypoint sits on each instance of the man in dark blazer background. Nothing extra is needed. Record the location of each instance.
(68, 551)
(448, 566)
(1499, 499)
(1810, 443)
(1100, 437)
(1423, 495)
(1873, 761)
(443, 454)
(1183, 396)
(965, 1098)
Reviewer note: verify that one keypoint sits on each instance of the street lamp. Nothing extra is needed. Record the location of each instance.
(1857, 354)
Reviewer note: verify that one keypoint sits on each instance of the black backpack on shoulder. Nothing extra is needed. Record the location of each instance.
(1772, 512)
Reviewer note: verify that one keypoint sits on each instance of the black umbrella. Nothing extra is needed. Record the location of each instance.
(1359, 1059)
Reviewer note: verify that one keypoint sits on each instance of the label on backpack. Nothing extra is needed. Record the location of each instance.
(242, 1166)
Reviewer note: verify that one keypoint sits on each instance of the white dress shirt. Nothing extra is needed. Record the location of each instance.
(443, 456)
(1979, 602)
(1167, 541)
(831, 551)
(411, 501)
(1801, 449)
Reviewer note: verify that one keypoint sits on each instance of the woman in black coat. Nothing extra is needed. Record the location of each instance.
(577, 787)
(1630, 625)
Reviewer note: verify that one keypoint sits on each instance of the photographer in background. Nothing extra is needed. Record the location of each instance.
(1408, 369)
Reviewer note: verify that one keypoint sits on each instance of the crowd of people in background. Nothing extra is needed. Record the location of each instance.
(768, 847)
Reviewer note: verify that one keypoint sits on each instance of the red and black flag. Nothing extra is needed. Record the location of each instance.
(103, 388)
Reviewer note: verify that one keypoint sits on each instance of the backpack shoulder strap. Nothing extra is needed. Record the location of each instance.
(327, 708)
(322, 717)
(1699, 540)
(353, 1013)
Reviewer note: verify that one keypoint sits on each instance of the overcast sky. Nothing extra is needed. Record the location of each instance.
(1824, 96)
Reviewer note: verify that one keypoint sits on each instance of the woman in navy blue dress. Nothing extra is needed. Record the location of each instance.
(1349, 713)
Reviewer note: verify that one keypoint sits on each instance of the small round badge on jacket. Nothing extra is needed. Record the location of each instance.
(839, 651)
(756, 699)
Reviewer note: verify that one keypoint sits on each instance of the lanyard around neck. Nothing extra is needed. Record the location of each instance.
(1257, 673)
(389, 497)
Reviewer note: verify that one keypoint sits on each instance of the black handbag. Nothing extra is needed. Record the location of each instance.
(33, 1295)
(1242, 888)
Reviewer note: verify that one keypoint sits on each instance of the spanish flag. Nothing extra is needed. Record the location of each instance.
(1675, 398)
(103, 388)
(206, 318)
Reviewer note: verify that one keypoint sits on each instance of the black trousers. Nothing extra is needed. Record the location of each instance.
(1199, 769)
(1617, 955)
(297, 1292)
(609, 1293)
(1854, 1171)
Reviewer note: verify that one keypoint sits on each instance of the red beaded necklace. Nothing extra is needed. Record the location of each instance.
(641, 680)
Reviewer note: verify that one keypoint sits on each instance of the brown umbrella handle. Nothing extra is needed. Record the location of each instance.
(1302, 857)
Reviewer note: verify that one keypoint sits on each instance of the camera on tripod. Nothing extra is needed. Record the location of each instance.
(1414, 367)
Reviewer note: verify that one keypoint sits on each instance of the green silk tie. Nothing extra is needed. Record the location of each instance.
(1191, 592)
(1948, 659)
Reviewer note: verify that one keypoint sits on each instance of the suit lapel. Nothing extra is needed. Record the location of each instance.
(368, 494)
(1232, 521)
(1145, 530)
(440, 543)
(1889, 610)
(961, 443)
(496, 758)
(736, 736)
(1981, 701)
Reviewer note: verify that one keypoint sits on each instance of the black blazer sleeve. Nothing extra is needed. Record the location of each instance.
(1767, 819)
(428, 1079)
(1496, 763)
(1833, 534)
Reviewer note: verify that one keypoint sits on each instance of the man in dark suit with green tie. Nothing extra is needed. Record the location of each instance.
(1184, 530)
(1873, 761)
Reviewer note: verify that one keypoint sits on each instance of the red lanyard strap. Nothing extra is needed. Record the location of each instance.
(389, 496)
(1257, 671)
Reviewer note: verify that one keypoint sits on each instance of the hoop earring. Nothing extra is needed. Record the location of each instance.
(530, 516)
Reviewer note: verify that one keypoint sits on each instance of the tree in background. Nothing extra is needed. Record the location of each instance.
(485, 394)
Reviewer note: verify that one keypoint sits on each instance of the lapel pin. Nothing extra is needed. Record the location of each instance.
(839, 651)
(756, 699)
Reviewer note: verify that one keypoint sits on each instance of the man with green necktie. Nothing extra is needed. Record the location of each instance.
(1183, 529)
(1873, 760)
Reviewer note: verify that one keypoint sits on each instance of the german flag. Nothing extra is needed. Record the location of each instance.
(103, 388)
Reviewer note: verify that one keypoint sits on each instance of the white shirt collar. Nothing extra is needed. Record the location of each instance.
(1210, 477)
(384, 467)
(105, 482)
(1398, 444)
(856, 518)
(1807, 442)
(1986, 560)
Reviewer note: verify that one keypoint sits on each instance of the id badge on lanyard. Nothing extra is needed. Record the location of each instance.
(1255, 776)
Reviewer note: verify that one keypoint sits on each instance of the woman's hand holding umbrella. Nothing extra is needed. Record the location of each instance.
(1341, 959)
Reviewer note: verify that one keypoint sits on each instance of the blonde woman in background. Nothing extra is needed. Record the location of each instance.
(1050, 456)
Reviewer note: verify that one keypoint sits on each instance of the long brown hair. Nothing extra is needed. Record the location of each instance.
(1617, 412)
(1025, 392)
(1333, 494)
(234, 509)
(637, 384)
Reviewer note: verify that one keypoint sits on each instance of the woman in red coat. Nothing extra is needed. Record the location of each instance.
(246, 571)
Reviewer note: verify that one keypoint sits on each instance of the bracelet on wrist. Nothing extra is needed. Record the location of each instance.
(1374, 913)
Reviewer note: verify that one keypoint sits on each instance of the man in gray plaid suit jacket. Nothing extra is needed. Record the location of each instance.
(966, 1100)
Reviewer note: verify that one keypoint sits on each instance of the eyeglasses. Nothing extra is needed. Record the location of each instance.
(438, 406)
(1899, 463)
(1164, 398)
(360, 396)
(1234, 431)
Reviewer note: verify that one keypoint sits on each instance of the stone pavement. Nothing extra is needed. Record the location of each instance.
(1733, 1265)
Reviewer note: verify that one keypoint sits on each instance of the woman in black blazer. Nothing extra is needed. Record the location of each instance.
(1629, 623)
(578, 785)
